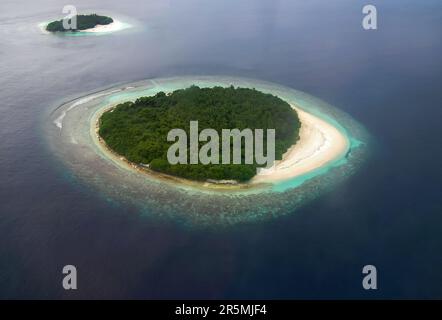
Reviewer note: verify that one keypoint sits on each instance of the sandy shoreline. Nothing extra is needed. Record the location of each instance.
(319, 143)
(112, 27)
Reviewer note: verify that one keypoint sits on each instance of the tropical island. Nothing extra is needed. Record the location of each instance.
(84, 22)
(330, 147)
(138, 131)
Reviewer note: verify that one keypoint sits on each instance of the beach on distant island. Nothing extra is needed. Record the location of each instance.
(115, 26)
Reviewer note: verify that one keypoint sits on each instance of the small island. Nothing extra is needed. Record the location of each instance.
(84, 22)
(138, 130)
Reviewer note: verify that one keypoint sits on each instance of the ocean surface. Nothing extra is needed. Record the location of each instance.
(388, 214)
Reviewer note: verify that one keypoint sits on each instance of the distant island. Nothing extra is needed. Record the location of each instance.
(138, 130)
(84, 22)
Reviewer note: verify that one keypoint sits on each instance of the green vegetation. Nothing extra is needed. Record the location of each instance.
(83, 22)
(138, 130)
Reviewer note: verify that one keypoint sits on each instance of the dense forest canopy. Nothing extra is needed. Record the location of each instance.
(138, 130)
(83, 22)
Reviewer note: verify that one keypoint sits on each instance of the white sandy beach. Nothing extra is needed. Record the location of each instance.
(108, 28)
(319, 143)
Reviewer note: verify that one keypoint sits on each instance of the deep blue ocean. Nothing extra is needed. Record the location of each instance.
(388, 214)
